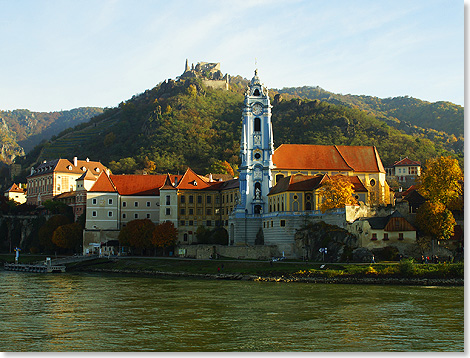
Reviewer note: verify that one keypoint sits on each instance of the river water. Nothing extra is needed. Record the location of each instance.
(91, 312)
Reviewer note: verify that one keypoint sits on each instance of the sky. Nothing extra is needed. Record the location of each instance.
(64, 54)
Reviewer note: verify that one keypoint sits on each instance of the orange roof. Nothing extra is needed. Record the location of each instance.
(138, 184)
(327, 158)
(103, 184)
(405, 162)
(65, 166)
(191, 180)
(298, 183)
(15, 189)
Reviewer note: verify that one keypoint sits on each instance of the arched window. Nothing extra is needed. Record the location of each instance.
(257, 190)
(257, 124)
(308, 205)
(279, 177)
(256, 92)
(295, 206)
(257, 209)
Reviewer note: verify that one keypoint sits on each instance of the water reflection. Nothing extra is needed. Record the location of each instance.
(114, 313)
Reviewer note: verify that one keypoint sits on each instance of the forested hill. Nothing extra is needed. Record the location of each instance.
(21, 129)
(179, 124)
(405, 111)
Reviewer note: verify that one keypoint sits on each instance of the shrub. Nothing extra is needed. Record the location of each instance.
(407, 267)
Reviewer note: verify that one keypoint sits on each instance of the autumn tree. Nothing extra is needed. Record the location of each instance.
(336, 192)
(221, 167)
(47, 230)
(164, 235)
(441, 181)
(435, 221)
(68, 236)
(137, 234)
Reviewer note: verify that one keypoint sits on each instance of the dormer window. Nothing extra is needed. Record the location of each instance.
(83, 169)
(69, 167)
(97, 169)
(194, 183)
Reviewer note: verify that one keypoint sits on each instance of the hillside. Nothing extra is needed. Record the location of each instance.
(182, 123)
(406, 113)
(21, 129)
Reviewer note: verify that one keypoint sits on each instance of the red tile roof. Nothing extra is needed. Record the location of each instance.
(405, 162)
(327, 158)
(191, 180)
(103, 185)
(298, 183)
(15, 189)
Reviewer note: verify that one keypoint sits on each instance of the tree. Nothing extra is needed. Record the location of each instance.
(47, 230)
(68, 236)
(164, 235)
(137, 234)
(441, 181)
(336, 192)
(435, 221)
(221, 167)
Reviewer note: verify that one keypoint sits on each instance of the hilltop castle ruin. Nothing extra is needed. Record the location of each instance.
(209, 73)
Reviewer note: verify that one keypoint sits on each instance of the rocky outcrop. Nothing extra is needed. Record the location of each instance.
(338, 242)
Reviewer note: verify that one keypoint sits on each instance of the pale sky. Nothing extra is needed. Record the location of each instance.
(65, 54)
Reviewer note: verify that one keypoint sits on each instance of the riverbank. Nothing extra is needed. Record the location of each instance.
(404, 273)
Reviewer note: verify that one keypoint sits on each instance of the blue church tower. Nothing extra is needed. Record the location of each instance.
(256, 150)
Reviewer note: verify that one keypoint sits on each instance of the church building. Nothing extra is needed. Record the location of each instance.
(278, 187)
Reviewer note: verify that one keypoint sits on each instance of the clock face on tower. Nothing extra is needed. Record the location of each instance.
(257, 109)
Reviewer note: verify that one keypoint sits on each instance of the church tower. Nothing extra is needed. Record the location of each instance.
(256, 150)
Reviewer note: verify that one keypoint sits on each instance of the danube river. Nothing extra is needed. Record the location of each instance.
(90, 312)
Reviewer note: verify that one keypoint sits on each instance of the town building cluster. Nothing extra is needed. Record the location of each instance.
(277, 190)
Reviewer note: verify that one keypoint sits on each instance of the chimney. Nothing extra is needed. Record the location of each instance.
(87, 159)
(32, 170)
(176, 181)
(107, 172)
(210, 177)
(75, 162)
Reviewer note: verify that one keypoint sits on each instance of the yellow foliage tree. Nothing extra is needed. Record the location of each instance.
(435, 220)
(336, 192)
(441, 181)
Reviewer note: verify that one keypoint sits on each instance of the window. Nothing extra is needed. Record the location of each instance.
(136, 203)
(182, 199)
(190, 223)
(182, 222)
(199, 199)
(148, 203)
(209, 211)
(191, 199)
(123, 216)
(94, 201)
(372, 182)
(110, 213)
(374, 237)
(256, 92)
(283, 223)
(185, 237)
(124, 204)
(168, 211)
(136, 216)
(209, 223)
(191, 211)
(385, 237)
(110, 201)
(400, 236)
(257, 124)
(167, 200)
(208, 199)
(148, 216)
(93, 213)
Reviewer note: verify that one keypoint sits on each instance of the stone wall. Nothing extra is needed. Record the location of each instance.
(253, 252)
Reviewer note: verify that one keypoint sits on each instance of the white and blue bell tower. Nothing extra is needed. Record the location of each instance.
(256, 151)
